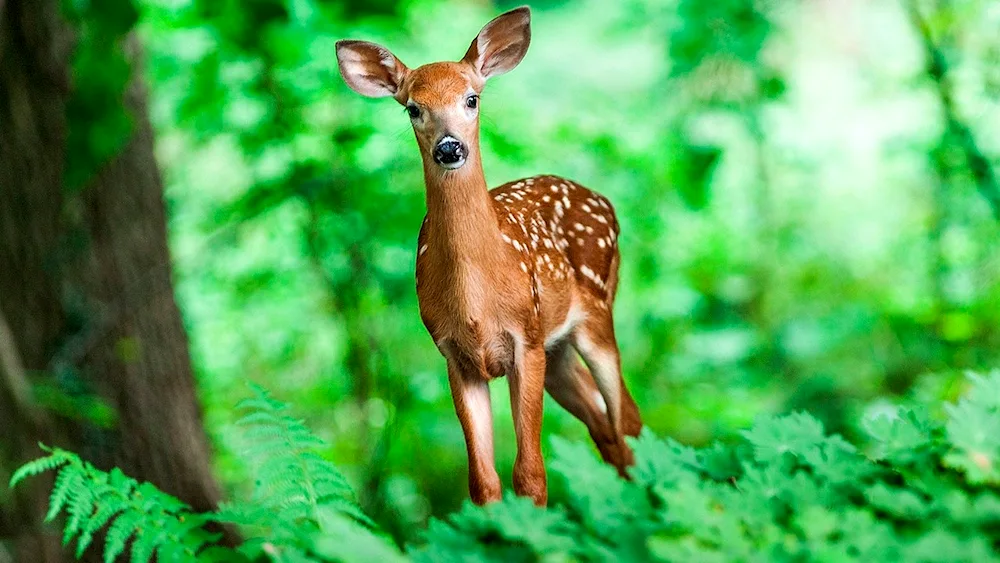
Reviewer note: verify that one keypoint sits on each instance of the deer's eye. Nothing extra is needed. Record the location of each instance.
(472, 101)
(413, 110)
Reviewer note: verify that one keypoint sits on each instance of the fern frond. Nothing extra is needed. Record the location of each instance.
(294, 487)
(79, 507)
(119, 533)
(106, 510)
(145, 542)
(91, 500)
(69, 478)
(40, 465)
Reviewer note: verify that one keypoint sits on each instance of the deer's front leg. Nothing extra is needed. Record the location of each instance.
(471, 394)
(527, 386)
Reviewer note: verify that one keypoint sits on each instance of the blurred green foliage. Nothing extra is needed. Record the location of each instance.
(797, 231)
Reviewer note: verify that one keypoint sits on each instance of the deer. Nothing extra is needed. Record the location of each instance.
(519, 280)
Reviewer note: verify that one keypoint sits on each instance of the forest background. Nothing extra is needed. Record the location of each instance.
(191, 199)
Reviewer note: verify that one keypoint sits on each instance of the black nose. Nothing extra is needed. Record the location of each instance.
(449, 150)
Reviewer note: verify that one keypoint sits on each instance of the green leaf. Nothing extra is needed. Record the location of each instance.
(901, 438)
(663, 462)
(772, 437)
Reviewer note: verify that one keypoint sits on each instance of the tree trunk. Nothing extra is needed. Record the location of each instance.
(85, 293)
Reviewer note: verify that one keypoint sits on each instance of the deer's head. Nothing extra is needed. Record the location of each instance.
(442, 99)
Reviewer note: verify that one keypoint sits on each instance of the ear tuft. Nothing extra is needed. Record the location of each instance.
(501, 44)
(370, 69)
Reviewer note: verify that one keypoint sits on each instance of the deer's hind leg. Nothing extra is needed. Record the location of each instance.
(631, 421)
(572, 386)
(595, 340)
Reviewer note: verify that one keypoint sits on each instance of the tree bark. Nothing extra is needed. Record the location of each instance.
(86, 293)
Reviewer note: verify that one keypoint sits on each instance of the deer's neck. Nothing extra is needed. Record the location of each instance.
(462, 223)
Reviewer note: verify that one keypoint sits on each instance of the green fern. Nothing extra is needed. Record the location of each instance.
(139, 514)
(295, 488)
(299, 500)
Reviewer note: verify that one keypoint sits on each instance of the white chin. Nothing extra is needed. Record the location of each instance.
(452, 165)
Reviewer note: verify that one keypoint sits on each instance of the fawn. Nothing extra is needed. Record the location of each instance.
(516, 280)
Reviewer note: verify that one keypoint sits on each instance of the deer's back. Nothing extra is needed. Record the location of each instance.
(564, 231)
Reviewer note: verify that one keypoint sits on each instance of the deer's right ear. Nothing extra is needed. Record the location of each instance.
(370, 69)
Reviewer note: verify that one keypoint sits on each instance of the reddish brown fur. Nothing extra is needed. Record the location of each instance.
(436, 85)
(515, 280)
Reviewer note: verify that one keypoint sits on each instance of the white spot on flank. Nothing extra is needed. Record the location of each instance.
(586, 207)
(423, 249)
(578, 226)
(592, 276)
(524, 267)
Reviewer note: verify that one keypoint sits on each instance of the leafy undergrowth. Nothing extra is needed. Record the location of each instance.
(922, 490)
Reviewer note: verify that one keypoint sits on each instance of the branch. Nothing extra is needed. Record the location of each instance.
(937, 68)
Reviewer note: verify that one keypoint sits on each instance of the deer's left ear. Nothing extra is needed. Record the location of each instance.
(501, 44)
